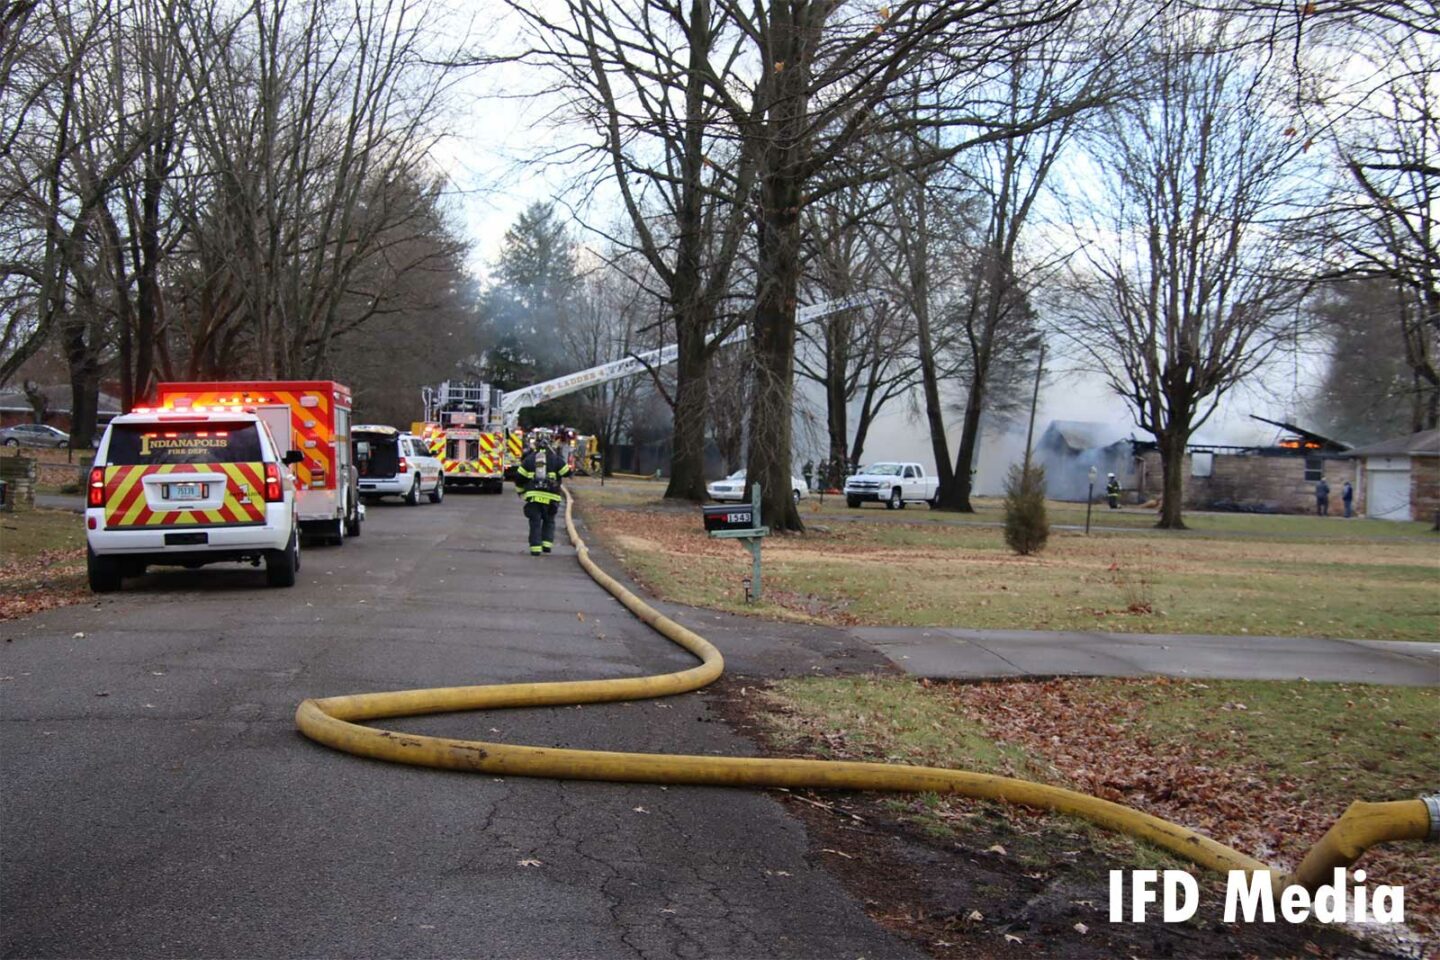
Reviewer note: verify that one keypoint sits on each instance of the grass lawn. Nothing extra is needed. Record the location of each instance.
(1239, 574)
(1263, 766)
(42, 561)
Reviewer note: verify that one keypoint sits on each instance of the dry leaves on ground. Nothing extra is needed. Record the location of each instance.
(52, 578)
(1096, 738)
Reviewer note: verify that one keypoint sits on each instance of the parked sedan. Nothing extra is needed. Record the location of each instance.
(734, 488)
(34, 435)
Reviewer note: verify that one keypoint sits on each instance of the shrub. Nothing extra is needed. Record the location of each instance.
(1026, 526)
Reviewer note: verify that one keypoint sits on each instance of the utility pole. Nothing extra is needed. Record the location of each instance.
(1034, 399)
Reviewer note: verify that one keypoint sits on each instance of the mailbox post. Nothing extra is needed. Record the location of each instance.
(740, 522)
(1089, 501)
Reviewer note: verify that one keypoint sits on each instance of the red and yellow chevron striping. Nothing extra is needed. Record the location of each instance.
(126, 504)
(310, 428)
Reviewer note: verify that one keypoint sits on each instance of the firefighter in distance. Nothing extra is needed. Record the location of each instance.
(1112, 492)
(538, 478)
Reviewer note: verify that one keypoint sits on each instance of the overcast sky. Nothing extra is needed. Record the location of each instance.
(494, 176)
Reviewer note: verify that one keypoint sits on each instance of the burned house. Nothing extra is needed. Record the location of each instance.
(1279, 477)
(1069, 448)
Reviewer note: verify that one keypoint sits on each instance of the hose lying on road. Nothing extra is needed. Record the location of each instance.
(338, 722)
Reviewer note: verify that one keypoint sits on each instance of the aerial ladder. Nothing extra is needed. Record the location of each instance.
(495, 411)
(513, 401)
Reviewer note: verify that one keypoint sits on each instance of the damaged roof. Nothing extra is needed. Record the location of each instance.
(1085, 434)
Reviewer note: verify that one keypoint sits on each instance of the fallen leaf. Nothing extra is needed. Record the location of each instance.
(1081, 928)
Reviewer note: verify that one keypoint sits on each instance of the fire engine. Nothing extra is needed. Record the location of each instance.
(311, 416)
(464, 430)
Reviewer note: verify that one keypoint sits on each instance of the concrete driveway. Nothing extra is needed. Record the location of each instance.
(158, 802)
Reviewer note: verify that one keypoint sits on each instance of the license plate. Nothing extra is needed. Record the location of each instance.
(186, 491)
(186, 539)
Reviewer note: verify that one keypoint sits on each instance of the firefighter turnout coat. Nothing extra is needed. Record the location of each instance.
(534, 489)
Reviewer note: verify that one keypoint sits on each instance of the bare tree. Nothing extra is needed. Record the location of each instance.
(1385, 225)
(828, 78)
(640, 77)
(607, 326)
(862, 352)
(1183, 291)
(312, 113)
(75, 137)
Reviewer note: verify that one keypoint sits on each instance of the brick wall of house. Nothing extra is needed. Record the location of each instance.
(1271, 482)
(1425, 488)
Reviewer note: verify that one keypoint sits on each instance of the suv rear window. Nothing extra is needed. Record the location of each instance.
(380, 455)
(153, 444)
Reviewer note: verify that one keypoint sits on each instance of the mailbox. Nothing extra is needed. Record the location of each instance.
(729, 516)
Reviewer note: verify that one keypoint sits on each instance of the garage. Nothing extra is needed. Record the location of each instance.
(1399, 479)
(1389, 490)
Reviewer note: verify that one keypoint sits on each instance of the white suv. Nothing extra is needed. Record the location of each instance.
(395, 464)
(187, 488)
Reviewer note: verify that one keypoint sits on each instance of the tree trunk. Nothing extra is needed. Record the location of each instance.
(692, 396)
(147, 289)
(958, 497)
(1172, 463)
(929, 377)
(768, 459)
(934, 413)
(84, 383)
(836, 415)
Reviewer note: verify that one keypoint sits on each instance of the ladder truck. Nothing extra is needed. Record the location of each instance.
(496, 413)
(463, 429)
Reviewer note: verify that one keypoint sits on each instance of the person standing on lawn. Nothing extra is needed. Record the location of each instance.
(1322, 498)
(1112, 492)
(1347, 497)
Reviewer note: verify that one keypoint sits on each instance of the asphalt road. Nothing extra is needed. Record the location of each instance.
(156, 800)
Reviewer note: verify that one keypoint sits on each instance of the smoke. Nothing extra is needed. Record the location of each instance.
(1066, 394)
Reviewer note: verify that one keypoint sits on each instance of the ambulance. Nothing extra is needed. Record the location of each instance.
(311, 416)
(188, 487)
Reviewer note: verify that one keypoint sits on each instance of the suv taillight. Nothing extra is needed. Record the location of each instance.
(97, 487)
(274, 493)
(404, 467)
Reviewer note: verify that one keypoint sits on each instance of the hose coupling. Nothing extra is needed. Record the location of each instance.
(1432, 806)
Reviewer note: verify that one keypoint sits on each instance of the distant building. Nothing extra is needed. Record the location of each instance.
(15, 407)
(1274, 478)
(1398, 479)
(1069, 448)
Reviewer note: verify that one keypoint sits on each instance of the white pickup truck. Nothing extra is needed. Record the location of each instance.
(893, 484)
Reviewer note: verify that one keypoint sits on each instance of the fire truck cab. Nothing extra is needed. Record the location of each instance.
(463, 429)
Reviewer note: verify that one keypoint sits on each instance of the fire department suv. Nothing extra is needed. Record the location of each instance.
(189, 487)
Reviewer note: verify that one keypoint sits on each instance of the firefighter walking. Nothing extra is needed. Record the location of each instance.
(1112, 492)
(538, 480)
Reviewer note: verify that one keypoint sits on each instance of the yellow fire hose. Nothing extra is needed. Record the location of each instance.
(338, 722)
